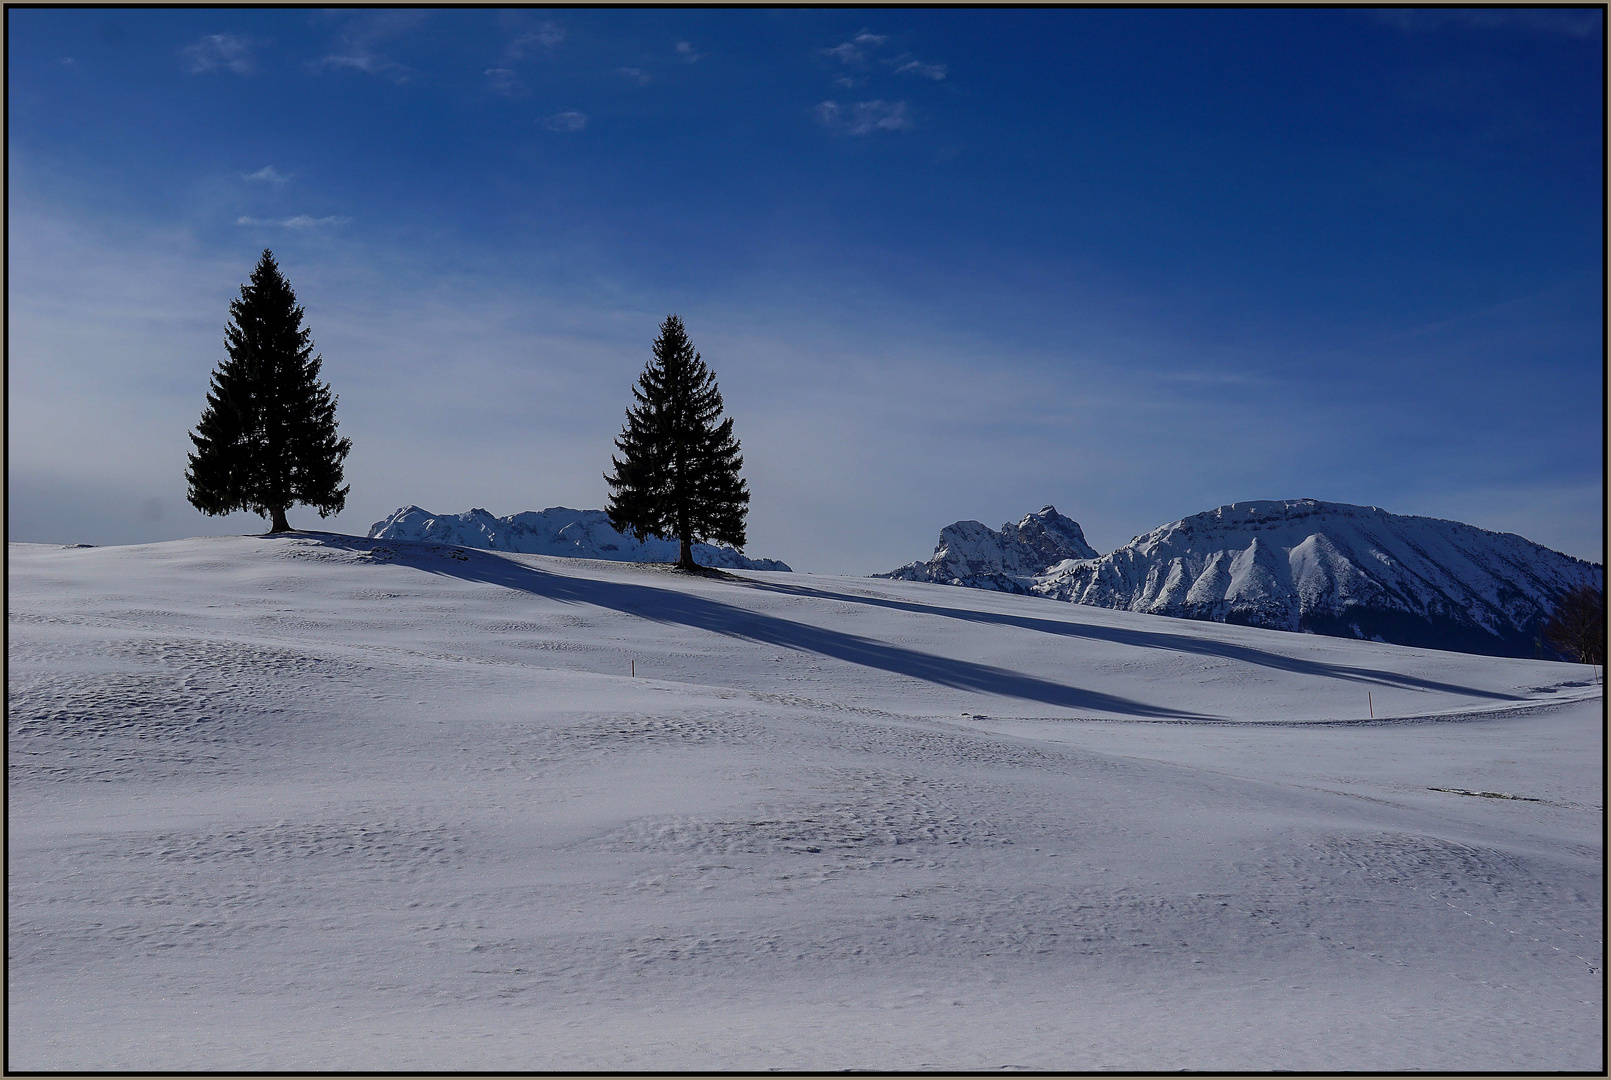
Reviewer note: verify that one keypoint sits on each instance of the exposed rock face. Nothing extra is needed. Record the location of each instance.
(577, 534)
(1316, 567)
(973, 554)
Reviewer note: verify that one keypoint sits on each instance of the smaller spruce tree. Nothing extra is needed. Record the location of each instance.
(267, 438)
(678, 473)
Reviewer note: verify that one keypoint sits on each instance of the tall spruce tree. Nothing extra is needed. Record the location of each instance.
(267, 438)
(678, 473)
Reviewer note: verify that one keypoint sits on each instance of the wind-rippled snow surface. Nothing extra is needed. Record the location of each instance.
(322, 802)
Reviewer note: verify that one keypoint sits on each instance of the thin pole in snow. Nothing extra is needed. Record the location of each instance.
(634, 669)
(1370, 704)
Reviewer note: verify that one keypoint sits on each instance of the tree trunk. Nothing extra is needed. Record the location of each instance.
(280, 524)
(685, 558)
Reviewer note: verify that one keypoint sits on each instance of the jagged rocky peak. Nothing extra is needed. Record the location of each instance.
(971, 553)
(1050, 536)
(559, 530)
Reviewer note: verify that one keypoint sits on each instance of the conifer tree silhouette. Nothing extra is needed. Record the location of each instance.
(678, 472)
(267, 438)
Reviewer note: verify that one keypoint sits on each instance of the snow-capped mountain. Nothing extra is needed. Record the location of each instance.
(1324, 568)
(973, 554)
(559, 530)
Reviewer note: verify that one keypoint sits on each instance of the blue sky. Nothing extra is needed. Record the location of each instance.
(945, 264)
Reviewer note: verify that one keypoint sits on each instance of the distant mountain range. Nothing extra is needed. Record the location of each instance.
(559, 530)
(1296, 564)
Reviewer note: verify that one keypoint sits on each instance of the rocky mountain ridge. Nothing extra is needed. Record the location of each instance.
(1307, 566)
(558, 530)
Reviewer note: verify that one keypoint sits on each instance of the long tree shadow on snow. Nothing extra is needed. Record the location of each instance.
(1145, 639)
(680, 608)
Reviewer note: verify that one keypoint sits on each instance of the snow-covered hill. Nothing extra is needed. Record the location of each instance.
(559, 530)
(333, 803)
(1304, 565)
(971, 553)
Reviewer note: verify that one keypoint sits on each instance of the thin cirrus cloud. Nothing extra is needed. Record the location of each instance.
(544, 36)
(529, 39)
(368, 63)
(916, 67)
(357, 51)
(503, 81)
(864, 117)
(855, 50)
(220, 52)
(570, 120)
(300, 221)
(638, 74)
(685, 51)
(268, 174)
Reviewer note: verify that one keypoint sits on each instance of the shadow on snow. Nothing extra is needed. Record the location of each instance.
(675, 607)
(1146, 639)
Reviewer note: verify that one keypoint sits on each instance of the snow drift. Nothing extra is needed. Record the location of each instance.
(559, 530)
(1301, 565)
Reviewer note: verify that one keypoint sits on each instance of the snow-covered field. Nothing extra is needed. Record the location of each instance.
(326, 802)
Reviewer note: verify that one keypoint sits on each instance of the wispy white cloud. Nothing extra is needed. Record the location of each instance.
(358, 50)
(855, 50)
(570, 120)
(300, 221)
(686, 53)
(268, 174)
(864, 117)
(530, 39)
(304, 221)
(503, 81)
(220, 52)
(638, 74)
(917, 67)
(867, 117)
(368, 63)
